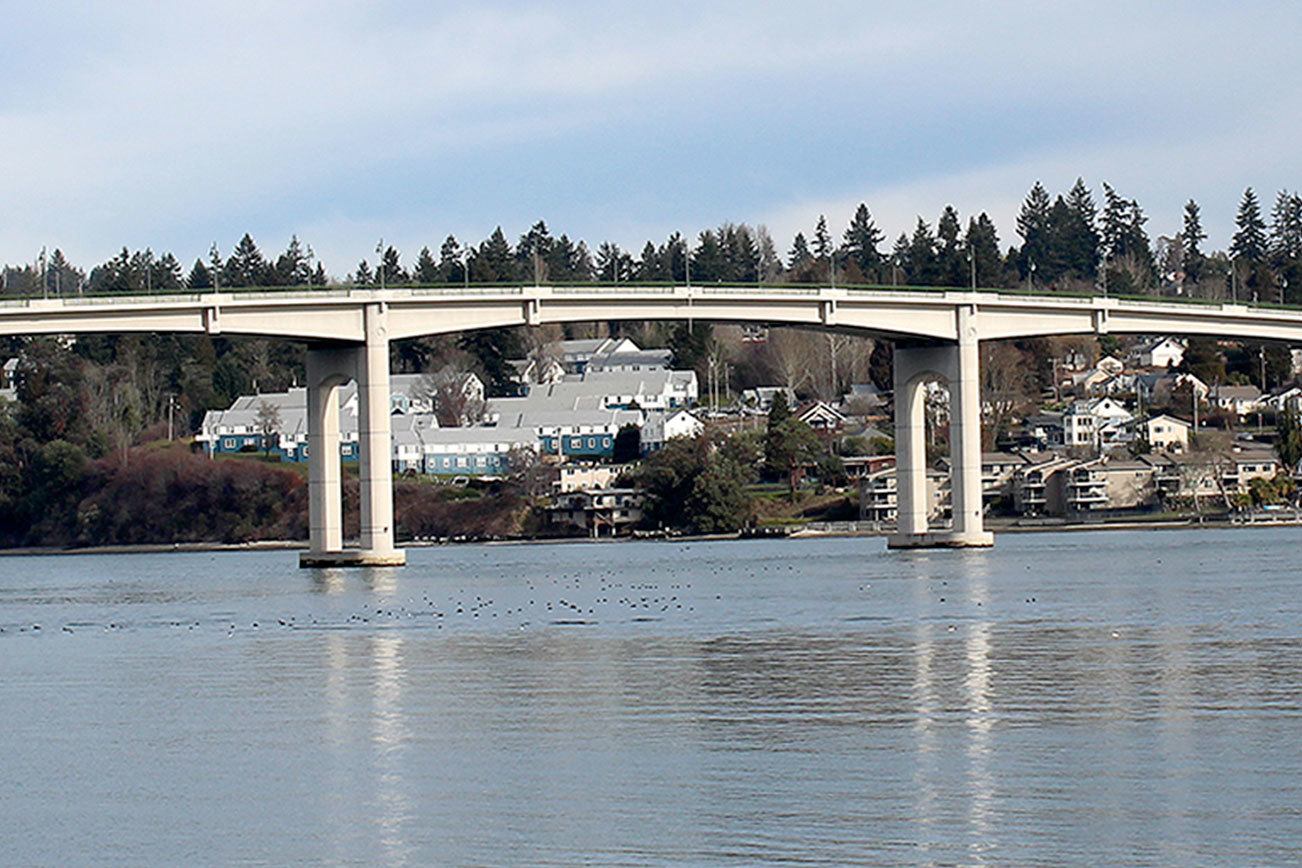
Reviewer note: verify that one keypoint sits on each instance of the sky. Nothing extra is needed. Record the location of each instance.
(175, 125)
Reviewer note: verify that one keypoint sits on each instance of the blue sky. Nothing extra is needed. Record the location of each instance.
(178, 124)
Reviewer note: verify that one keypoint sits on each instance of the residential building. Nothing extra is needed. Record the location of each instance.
(597, 512)
(1162, 353)
(1160, 389)
(1097, 423)
(760, 398)
(878, 496)
(661, 426)
(1239, 400)
(821, 416)
(581, 477)
(1167, 433)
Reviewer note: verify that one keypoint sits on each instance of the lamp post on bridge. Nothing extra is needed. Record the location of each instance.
(971, 261)
(379, 262)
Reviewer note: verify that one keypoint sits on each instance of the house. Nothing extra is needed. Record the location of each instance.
(594, 511)
(9, 380)
(1239, 400)
(580, 477)
(760, 398)
(863, 399)
(860, 466)
(821, 416)
(1160, 389)
(1096, 423)
(1085, 382)
(1167, 433)
(659, 427)
(1162, 353)
(1040, 431)
(1287, 400)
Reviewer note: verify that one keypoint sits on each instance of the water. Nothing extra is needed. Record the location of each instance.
(1102, 698)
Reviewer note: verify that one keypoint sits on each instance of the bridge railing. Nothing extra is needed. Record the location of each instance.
(648, 288)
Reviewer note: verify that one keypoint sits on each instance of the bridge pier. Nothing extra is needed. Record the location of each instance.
(960, 366)
(328, 367)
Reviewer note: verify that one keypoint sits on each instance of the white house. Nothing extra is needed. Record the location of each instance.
(1162, 353)
(1095, 423)
(821, 416)
(1239, 400)
(661, 427)
(1167, 433)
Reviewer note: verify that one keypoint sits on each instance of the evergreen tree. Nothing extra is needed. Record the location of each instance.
(534, 253)
(862, 238)
(744, 256)
(690, 344)
(494, 348)
(581, 267)
(922, 265)
(391, 263)
(1191, 239)
(952, 266)
(319, 277)
(427, 270)
(452, 269)
(293, 267)
(246, 266)
(982, 243)
(822, 240)
(1285, 228)
(199, 278)
(363, 276)
(613, 264)
(1033, 226)
(675, 256)
(1249, 242)
(494, 263)
(651, 266)
(708, 264)
(799, 257)
(1078, 234)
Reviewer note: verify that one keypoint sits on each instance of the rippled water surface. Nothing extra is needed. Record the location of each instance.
(1100, 698)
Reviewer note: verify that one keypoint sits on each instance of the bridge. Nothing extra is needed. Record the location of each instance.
(348, 332)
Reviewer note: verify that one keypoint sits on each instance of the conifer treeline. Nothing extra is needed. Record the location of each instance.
(1067, 242)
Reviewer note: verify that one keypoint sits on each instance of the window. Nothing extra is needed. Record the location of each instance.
(228, 443)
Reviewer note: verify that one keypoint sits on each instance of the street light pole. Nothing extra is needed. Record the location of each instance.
(379, 262)
(971, 260)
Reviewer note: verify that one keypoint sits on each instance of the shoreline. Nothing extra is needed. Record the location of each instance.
(795, 534)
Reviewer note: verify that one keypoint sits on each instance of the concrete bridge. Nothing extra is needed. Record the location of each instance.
(348, 332)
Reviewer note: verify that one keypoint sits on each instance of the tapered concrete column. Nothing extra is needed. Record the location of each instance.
(376, 469)
(965, 435)
(959, 365)
(325, 491)
(911, 500)
(328, 367)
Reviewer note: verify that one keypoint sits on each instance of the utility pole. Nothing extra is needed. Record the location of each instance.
(171, 405)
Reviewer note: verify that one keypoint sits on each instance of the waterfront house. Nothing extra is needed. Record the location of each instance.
(596, 512)
(821, 416)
